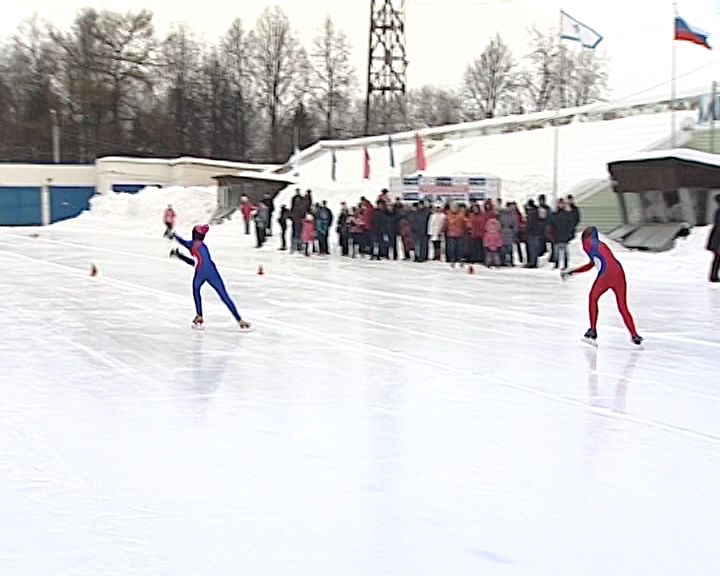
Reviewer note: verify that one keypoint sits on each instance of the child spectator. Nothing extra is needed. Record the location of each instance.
(493, 242)
(308, 233)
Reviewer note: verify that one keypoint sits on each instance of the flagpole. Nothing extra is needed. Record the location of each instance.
(673, 89)
(556, 130)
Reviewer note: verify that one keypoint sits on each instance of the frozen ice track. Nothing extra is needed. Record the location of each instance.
(395, 355)
(514, 450)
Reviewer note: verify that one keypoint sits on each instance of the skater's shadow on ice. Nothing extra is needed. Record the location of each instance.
(600, 424)
(620, 398)
(208, 369)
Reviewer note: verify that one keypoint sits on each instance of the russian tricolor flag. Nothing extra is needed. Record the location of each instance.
(683, 31)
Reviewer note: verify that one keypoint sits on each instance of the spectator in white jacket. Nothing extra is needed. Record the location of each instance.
(436, 224)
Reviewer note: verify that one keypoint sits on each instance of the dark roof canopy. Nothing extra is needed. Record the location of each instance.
(666, 172)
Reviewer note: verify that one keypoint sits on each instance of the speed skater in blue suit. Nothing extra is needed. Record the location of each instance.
(205, 271)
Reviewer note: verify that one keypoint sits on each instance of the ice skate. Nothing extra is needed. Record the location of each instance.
(637, 340)
(173, 253)
(244, 326)
(198, 323)
(590, 337)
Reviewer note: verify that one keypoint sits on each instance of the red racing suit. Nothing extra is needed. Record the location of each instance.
(611, 276)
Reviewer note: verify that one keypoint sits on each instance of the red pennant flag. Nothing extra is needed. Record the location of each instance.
(366, 164)
(420, 160)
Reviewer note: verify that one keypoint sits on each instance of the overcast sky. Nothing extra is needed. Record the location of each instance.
(444, 35)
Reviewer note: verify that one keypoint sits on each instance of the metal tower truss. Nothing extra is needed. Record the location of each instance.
(387, 64)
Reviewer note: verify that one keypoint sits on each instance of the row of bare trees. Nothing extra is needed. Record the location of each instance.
(114, 87)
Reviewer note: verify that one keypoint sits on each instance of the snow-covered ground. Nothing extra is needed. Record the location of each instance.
(523, 160)
(383, 418)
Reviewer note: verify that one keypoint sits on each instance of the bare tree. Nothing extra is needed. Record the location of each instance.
(489, 79)
(215, 91)
(280, 69)
(538, 79)
(588, 80)
(333, 76)
(560, 76)
(29, 69)
(434, 106)
(236, 54)
(125, 45)
(181, 56)
(82, 86)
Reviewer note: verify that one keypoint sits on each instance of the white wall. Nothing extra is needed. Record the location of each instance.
(183, 171)
(38, 174)
(116, 170)
(120, 170)
(189, 174)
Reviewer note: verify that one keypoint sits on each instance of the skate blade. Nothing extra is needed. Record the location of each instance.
(197, 327)
(245, 330)
(590, 341)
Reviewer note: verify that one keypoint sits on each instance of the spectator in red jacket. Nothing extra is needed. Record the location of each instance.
(493, 241)
(455, 229)
(357, 231)
(476, 223)
(367, 215)
(169, 220)
(246, 208)
(308, 233)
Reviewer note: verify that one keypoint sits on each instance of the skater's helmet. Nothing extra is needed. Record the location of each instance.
(200, 231)
(590, 233)
(590, 238)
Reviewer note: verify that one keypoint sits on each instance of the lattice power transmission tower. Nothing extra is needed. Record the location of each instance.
(387, 63)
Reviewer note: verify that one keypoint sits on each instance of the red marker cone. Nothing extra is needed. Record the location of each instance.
(93, 270)
(471, 269)
(260, 270)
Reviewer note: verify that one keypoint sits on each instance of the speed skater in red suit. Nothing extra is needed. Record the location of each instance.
(611, 276)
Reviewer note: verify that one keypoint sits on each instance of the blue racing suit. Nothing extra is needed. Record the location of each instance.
(205, 271)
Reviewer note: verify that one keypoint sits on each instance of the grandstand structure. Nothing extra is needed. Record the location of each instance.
(517, 148)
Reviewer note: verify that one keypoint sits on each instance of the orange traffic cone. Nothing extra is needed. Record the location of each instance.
(471, 269)
(93, 270)
(260, 270)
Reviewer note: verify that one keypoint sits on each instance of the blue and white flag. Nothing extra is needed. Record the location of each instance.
(571, 29)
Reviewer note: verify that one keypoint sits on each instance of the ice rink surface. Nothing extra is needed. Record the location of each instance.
(383, 418)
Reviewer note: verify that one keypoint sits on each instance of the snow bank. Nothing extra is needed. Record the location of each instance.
(144, 210)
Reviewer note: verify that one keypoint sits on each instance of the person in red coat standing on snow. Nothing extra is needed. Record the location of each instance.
(611, 276)
(246, 208)
(169, 217)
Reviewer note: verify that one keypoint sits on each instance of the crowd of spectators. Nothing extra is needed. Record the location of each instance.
(489, 233)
